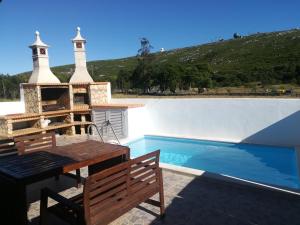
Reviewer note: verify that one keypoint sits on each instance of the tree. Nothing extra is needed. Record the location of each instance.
(236, 36)
(188, 77)
(297, 74)
(3, 94)
(166, 76)
(202, 78)
(123, 80)
(145, 47)
(142, 75)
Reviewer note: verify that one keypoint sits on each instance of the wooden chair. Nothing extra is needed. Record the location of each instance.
(39, 142)
(110, 193)
(7, 147)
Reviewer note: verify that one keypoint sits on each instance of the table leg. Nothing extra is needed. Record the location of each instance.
(13, 207)
(22, 204)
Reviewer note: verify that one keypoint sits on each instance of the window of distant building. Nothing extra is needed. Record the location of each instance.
(42, 51)
(78, 45)
(34, 51)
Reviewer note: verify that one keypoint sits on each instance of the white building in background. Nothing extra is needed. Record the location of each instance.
(81, 74)
(41, 71)
(162, 50)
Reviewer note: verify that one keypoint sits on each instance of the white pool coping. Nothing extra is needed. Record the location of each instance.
(197, 138)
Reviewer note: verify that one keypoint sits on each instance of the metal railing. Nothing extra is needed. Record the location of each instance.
(100, 133)
(89, 131)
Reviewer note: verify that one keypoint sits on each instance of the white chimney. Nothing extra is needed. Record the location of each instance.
(81, 75)
(41, 71)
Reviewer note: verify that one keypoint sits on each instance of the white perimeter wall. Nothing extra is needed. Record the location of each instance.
(260, 121)
(11, 108)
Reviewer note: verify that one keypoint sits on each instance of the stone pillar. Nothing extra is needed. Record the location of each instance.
(72, 130)
(9, 127)
(3, 127)
(32, 98)
(82, 127)
(100, 93)
(71, 96)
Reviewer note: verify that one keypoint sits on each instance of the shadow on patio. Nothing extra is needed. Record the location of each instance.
(209, 201)
(64, 185)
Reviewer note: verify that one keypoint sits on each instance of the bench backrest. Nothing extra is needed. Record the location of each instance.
(7, 147)
(112, 192)
(31, 143)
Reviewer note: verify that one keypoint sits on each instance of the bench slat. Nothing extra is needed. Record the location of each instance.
(109, 187)
(144, 176)
(108, 179)
(108, 203)
(144, 157)
(143, 164)
(141, 171)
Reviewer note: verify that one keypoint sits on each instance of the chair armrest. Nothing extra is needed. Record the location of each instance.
(47, 193)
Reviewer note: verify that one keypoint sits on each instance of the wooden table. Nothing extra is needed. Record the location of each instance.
(16, 172)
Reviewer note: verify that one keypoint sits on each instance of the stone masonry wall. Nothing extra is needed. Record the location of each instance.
(3, 127)
(99, 94)
(32, 98)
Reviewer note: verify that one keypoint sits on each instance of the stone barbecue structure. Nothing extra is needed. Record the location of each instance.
(66, 108)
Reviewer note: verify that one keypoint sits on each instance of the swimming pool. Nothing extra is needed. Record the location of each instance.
(268, 165)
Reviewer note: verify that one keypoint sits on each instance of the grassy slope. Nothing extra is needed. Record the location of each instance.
(263, 50)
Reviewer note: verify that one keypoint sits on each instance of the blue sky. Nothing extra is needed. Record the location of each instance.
(113, 27)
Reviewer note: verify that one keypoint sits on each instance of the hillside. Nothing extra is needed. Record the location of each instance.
(261, 50)
(258, 56)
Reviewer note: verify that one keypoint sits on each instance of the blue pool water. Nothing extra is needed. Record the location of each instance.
(269, 165)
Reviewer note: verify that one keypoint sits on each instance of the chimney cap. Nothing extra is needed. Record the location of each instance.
(38, 42)
(78, 36)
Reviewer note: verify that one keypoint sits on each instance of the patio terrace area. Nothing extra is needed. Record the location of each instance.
(191, 200)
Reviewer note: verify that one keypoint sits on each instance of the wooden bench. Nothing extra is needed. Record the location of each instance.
(110, 193)
(7, 147)
(40, 142)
